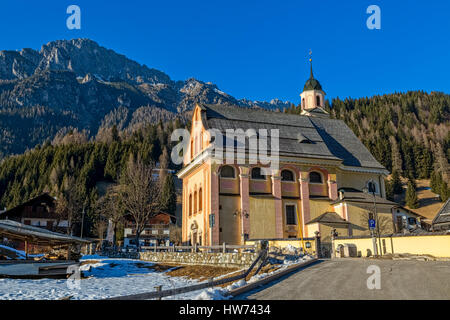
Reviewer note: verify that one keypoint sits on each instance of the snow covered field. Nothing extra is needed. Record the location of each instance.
(107, 278)
(111, 278)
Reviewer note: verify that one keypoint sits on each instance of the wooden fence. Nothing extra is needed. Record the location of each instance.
(158, 294)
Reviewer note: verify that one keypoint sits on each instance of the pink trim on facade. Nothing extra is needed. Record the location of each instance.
(245, 203)
(215, 237)
(332, 190)
(304, 194)
(276, 192)
(345, 211)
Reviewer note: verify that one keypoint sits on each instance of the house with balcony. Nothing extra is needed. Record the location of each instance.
(156, 232)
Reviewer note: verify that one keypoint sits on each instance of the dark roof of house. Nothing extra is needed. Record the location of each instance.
(443, 216)
(358, 196)
(17, 231)
(411, 211)
(329, 217)
(323, 138)
(44, 197)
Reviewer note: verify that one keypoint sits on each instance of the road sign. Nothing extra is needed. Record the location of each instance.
(212, 220)
(371, 224)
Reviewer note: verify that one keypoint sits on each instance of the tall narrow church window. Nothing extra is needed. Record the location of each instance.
(372, 187)
(257, 175)
(315, 177)
(227, 172)
(287, 175)
(290, 215)
(190, 205)
(200, 200)
(318, 100)
(195, 202)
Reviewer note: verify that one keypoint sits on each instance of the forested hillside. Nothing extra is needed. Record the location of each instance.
(73, 159)
(407, 132)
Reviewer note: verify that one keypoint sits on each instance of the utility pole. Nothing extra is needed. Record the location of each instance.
(82, 223)
(377, 223)
(377, 220)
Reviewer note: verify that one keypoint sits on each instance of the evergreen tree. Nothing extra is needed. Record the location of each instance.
(396, 183)
(411, 196)
(168, 195)
(389, 189)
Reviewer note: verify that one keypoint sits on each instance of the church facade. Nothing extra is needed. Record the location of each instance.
(317, 186)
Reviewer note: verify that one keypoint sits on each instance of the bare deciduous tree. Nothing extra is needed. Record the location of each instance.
(100, 227)
(140, 193)
(175, 234)
(69, 204)
(111, 207)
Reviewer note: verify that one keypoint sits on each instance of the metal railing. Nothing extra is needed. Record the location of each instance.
(196, 248)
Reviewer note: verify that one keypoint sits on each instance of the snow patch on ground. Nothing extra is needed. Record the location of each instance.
(117, 277)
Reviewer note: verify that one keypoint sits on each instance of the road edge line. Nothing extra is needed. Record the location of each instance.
(272, 277)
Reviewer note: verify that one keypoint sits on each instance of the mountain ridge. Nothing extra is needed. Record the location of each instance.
(77, 84)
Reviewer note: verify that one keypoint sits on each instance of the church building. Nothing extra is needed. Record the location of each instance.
(316, 188)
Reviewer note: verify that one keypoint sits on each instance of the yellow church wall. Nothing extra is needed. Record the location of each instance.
(199, 137)
(196, 180)
(228, 222)
(261, 186)
(435, 245)
(318, 207)
(290, 189)
(262, 218)
(316, 189)
(229, 185)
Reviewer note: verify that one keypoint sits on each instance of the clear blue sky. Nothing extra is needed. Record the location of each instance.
(257, 49)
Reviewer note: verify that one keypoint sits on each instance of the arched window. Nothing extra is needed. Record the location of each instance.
(195, 202)
(256, 174)
(303, 102)
(315, 177)
(190, 205)
(200, 199)
(318, 100)
(372, 187)
(287, 175)
(227, 172)
(192, 148)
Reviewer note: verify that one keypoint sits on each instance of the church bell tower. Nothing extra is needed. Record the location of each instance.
(313, 96)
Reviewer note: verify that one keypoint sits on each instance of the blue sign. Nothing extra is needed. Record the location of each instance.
(212, 220)
(372, 224)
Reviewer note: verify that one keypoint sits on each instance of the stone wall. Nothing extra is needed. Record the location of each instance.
(232, 259)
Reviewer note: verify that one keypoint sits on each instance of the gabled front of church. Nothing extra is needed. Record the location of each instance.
(317, 187)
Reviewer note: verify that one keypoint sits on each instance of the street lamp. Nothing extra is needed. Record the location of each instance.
(368, 191)
(242, 214)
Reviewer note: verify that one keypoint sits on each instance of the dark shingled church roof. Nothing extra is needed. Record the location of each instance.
(321, 138)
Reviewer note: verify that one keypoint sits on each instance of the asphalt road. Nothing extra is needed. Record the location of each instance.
(344, 279)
